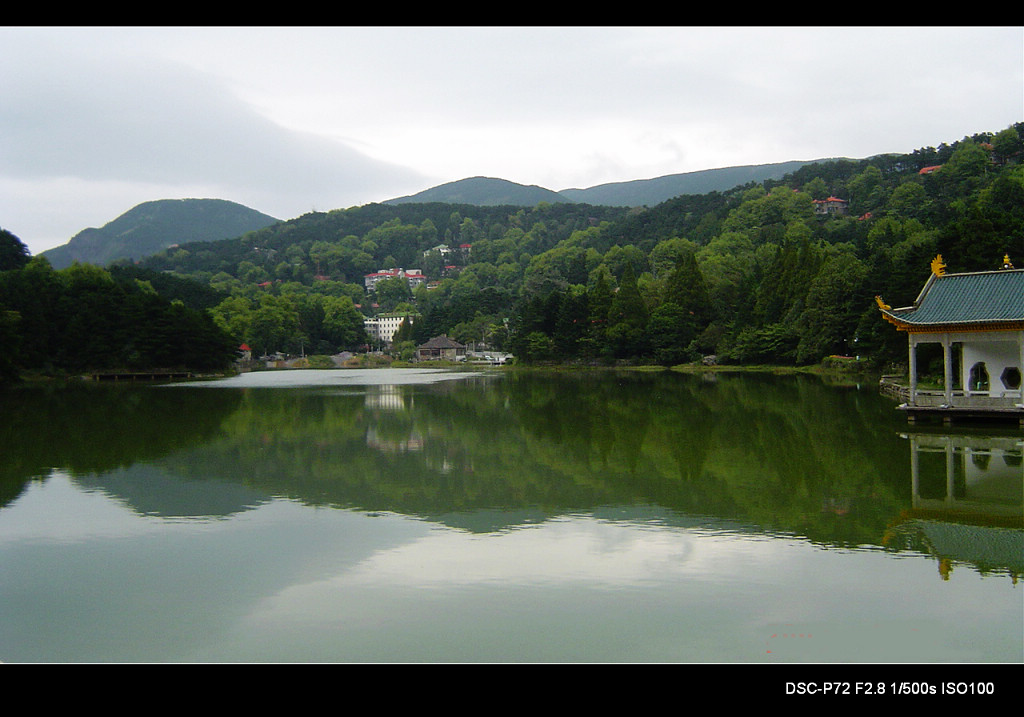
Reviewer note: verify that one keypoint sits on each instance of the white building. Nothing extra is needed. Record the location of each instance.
(384, 326)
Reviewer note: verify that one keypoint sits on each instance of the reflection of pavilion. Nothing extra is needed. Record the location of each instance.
(984, 475)
(967, 500)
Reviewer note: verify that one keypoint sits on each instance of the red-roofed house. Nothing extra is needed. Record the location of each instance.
(833, 206)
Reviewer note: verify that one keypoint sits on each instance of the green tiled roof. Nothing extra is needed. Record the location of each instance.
(982, 297)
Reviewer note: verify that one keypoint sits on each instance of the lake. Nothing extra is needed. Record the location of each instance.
(403, 515)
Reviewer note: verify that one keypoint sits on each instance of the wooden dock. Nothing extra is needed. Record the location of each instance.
(134, 376)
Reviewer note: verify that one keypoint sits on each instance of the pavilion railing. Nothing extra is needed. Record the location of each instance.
(935, 398)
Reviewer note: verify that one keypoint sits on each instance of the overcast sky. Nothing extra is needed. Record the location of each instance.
(94, 121)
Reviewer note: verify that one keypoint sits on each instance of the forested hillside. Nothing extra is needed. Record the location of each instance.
(752, 275)
(764, 273)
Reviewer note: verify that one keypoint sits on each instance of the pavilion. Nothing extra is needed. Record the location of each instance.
(978, 319)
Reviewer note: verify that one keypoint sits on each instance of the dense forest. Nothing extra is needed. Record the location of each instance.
(85, 318)
(751, 275)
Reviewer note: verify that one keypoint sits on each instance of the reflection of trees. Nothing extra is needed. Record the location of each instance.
(89, 429)
(784, 453)
(807, 458)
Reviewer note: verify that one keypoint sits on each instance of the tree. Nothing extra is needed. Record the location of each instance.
(274, 325)
(672, 330)
(965, 171)
(686, 288)
(599, 302)
(665, 256)
(1007, 144)
(572, 322)
(627, 318)
(404, 332)
(867, 190)
(683, 313)
(13, 253)
(10, 340)
(835, 301)
(343, 324)
(391, 292)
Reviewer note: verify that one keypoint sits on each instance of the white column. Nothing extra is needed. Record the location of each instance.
(947, 361)
(1020, 365)
(912, 361)
(950, 472)
(915, 474)
(1020, 350)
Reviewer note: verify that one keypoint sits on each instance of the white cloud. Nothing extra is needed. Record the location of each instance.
(290, 119)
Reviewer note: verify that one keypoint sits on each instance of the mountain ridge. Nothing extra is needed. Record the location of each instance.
(648, 192)
(482, 191)
(155, 225)
(490, 191)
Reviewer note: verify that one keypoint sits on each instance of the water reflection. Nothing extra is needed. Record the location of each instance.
(967, 501)
(983, 476)
(781, 455)
(94, 430)
(583, 516)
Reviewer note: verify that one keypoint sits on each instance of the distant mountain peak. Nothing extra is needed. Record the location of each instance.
(491, 191)
(483, 191)
(155, 225)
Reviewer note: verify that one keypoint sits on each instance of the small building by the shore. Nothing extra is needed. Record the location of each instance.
(978, 319)
(441, 348)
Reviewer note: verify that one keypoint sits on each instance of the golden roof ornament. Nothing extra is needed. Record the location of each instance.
(1007, 264)
(881, 304)
(938, 266)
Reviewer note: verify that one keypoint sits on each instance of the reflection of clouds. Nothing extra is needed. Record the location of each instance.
(567, 554)
(569, 550)
(58, 510)
(284, 581)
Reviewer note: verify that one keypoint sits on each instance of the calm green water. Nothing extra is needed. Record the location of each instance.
(403, 515)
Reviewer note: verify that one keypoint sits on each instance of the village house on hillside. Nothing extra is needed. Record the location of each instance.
(978, 319)
(415, 277)
(833, 206)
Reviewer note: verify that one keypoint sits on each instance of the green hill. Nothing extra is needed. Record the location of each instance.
(490, 192)
(761, 273)
(153, 226)
(484, 192)
(649, 192)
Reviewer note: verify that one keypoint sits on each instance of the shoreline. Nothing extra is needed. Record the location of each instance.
(834, 371)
